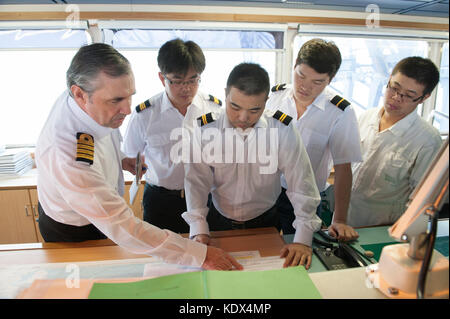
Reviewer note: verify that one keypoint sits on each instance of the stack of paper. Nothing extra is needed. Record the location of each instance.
(15, 162)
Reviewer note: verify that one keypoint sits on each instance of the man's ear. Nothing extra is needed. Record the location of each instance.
(426, 96)
(162, 79)
(79, 95)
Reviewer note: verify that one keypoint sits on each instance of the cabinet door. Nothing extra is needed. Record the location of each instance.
(34, 206)
(16, 217)
(137, 205)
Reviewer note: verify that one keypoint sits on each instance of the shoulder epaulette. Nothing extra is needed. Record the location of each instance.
(340, 102)
(143, 106)
(85, 148)
(205, 119)
(215, 100)
(279, 87)
(282, 117)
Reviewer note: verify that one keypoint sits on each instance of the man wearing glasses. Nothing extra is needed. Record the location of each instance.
(152, 123)
(397, 145)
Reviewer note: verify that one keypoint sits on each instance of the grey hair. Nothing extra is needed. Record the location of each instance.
(92, 59)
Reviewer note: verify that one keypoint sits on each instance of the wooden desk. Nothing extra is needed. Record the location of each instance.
(266, 240)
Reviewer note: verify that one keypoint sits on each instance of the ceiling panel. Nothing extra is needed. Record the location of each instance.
(433, 8)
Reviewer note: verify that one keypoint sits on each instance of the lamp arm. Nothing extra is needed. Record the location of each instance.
(427, 258)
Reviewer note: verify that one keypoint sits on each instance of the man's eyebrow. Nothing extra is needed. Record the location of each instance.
(120, 97)
(398, 84)
(178, 76)
(253, 108)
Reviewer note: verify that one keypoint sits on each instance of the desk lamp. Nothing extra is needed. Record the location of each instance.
(404, 269)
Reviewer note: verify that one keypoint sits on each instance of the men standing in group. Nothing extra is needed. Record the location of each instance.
(397, 145)
(328, 127)
(79, 163)
(243, 180)
(152, 123)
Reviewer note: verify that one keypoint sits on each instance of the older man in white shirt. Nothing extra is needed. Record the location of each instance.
(79, 163)
(397, 144)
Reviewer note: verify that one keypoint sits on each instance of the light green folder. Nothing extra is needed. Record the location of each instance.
(287, 283)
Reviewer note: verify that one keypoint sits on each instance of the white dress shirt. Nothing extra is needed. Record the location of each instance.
(330, 135)
(77, 193)
(394, 161)
(245, 187)
(149, 132)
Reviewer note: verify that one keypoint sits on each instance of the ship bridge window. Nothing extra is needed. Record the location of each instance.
(33, 66)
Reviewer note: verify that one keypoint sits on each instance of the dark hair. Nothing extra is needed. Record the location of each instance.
(250, 78)
(423, 71)
(178, 56)
(92, 59)
(322, 56)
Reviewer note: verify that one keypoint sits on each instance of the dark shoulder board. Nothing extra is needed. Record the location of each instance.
(143, 106)
(85, 148)
(279, 87)
(205, 119)
(340, 102)
(215, 100)
(282, 117)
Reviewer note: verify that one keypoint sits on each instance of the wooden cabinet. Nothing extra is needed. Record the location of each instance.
(18, 216)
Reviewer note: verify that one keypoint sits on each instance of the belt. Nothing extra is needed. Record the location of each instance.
(160, 189)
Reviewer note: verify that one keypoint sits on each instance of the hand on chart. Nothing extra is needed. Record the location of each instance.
(218, 259)
(296, 254)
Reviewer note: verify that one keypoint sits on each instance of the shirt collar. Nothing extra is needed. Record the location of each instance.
(262, 122)
(94, 128)
(319, 102)
(401, 126)
(167, 105)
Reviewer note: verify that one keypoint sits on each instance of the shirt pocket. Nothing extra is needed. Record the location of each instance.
(315, 144)
(157, 140)
(159, 147)
(395, 170)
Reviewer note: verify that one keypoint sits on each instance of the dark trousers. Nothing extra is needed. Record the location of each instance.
(163, 208)
(53, 231)
(217, 221)
(287, 216)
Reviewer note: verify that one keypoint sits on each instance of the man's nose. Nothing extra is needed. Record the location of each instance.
(126, 107)
(243, 116)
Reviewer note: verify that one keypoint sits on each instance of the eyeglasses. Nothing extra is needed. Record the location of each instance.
(190, 83)
(404, 97)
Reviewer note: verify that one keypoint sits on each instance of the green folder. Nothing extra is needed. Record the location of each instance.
(287, 283)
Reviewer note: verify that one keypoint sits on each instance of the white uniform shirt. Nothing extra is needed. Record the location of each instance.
(76, 193)
(149, 131)
(330, 135)
(394, 161)
(242, 190)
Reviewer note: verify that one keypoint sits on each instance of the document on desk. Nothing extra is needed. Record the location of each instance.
(251, 260)
(286, 283)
